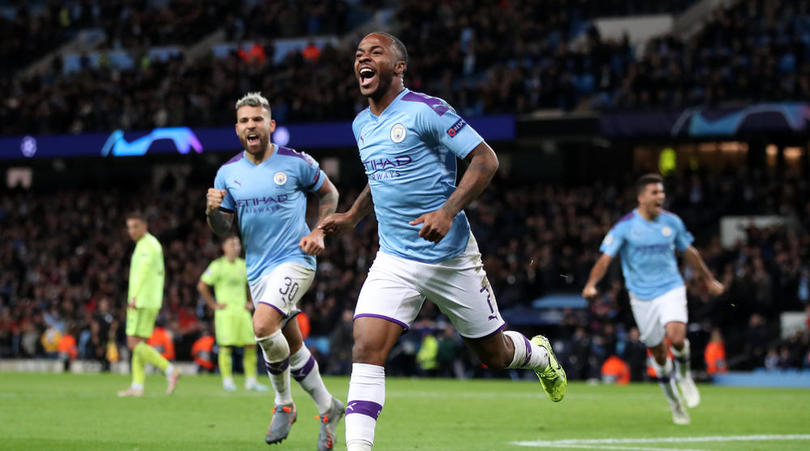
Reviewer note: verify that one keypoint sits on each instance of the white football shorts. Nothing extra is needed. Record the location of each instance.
(283, 287)
(396, 288)
(651, 316)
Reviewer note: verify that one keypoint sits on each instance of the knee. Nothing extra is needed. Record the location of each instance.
(365, 351)
(264, 328)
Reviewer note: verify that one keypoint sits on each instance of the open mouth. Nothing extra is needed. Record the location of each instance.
(253, 139)
(366, 76)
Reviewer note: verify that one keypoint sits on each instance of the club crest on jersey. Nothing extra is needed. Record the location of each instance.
(456, 127)
(280, 178)
(398, 133)
(666, 231)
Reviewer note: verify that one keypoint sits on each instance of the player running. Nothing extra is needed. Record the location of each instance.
(232, 317)
(266, 186)
(646, 238)
(144, 299)
(408, 144)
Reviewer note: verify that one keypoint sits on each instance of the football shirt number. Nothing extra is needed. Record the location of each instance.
(288, 290)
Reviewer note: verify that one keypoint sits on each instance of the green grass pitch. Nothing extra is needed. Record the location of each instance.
(82, 412)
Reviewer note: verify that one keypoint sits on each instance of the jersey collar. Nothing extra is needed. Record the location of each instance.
(396, 99)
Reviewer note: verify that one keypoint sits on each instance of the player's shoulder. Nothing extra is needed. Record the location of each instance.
(361, 116)
(419, 102)
(154, 241)
(670, 217)
(625, 220)
(232, 162)
(149, 242)
(294, 156)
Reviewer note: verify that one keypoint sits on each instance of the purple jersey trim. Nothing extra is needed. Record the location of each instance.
(367, 408)
(301, 373)
(235, 158)
(626, 217)
(387, 318)
(500, 328)
(434, 103)
(277, 367)
(289, 152)
(284, 315)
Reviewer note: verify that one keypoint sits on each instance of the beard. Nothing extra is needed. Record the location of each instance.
(264, 141)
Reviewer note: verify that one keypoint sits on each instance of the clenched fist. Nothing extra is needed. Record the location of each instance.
(214, 197)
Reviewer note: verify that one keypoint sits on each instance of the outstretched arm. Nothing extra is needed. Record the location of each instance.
(483, 166)
(597, 273)
(339, 223)
(693, 258)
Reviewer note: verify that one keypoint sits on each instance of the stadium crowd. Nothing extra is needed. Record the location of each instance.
(495, 59)
(65, 258)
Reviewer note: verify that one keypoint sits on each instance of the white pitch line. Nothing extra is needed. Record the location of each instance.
(628, 448)
(595, 443)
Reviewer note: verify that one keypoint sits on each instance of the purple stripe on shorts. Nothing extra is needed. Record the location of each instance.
(277, 367)
(500, 328)
(387, 318)
(528, 351)
(302, 372)
(367, 408)
(283, 315)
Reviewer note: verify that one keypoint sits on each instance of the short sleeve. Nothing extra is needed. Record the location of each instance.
(209, 276)
(220, 183)
(613, 241)
(449, 129)
(683, 239)
(310, 175)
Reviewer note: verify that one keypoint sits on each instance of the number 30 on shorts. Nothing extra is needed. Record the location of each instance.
(288, 290)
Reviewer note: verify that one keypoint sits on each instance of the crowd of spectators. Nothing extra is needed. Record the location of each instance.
(494, 58)
(755, 51)
(65, 256)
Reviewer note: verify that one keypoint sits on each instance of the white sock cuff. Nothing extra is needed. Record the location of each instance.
(683, 352)
(366, 370)
(300, 358)
(523, 349)
(662, 371)
(367, 386)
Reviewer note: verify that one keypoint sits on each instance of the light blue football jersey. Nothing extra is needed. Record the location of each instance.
(649, 264)
(409, 154)
(270, 201)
